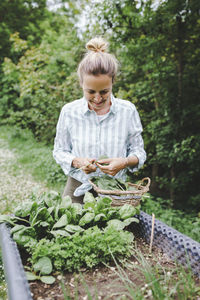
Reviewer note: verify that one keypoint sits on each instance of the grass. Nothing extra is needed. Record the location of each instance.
(156, 282)
(36, 158)
(160, 283)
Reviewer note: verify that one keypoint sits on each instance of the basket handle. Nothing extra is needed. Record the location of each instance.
(148, 182)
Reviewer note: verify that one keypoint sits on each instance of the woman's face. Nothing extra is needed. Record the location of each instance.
(97, 90)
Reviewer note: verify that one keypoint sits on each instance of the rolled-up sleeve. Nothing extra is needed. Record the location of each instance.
(62, 144)
(135, 140)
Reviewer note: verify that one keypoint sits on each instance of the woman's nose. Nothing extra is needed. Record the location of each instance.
(97, 97)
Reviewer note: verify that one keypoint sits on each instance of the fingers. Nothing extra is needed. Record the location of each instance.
(102, 166)
(108, 169)
(111, 166)
(89, 166)
(92, 160)
(104, 161)
(85, 164)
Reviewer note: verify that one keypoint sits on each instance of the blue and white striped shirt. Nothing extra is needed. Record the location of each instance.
(81, 133)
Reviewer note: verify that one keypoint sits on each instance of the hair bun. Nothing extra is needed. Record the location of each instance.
(97, 44)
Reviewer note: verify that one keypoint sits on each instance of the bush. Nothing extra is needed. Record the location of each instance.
(36, 87)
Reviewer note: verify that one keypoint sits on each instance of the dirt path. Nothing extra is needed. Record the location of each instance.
(15, 184)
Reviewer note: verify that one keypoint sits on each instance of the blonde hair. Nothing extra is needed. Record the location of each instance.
(97, 61)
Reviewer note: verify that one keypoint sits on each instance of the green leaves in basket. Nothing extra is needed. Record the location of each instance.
(106, 182)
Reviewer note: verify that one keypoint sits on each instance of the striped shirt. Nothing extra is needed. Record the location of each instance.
(82, 133)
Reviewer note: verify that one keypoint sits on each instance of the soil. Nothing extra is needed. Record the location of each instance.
(104, 282)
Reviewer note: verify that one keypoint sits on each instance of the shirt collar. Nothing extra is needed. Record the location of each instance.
(86, 109)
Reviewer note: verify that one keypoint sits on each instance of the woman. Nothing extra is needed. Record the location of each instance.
(97, 125)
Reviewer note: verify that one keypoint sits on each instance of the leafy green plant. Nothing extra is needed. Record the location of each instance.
(44, 268)
(54, 231)
(84, 249)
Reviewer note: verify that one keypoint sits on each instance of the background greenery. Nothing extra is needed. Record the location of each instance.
(36, 159)
(158, 47)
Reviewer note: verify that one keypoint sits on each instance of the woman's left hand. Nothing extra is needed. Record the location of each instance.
(112, 166)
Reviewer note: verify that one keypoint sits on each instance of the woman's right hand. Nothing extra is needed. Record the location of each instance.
(112, 166)
(85, 164)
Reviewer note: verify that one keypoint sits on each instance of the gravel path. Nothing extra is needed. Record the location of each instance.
(15, 184)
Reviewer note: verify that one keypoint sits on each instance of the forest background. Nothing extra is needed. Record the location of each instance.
(158, 46)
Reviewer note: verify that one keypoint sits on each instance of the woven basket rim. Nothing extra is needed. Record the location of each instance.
(141, 189)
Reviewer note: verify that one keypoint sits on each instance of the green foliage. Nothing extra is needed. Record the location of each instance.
(42, 81)
(44, 278)
(61, 235)
(89, 248)
(44, 267)
(109, 183)
(37, 159)
(27, 15)
(10, 89)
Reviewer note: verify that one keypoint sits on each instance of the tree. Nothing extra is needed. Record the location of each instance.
(36, 87)
(159, 53)
(23, 17)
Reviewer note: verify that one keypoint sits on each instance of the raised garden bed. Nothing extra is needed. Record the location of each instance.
(178, 247)
(17, 284)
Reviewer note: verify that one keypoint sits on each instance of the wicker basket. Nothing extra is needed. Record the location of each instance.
(120, 197)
